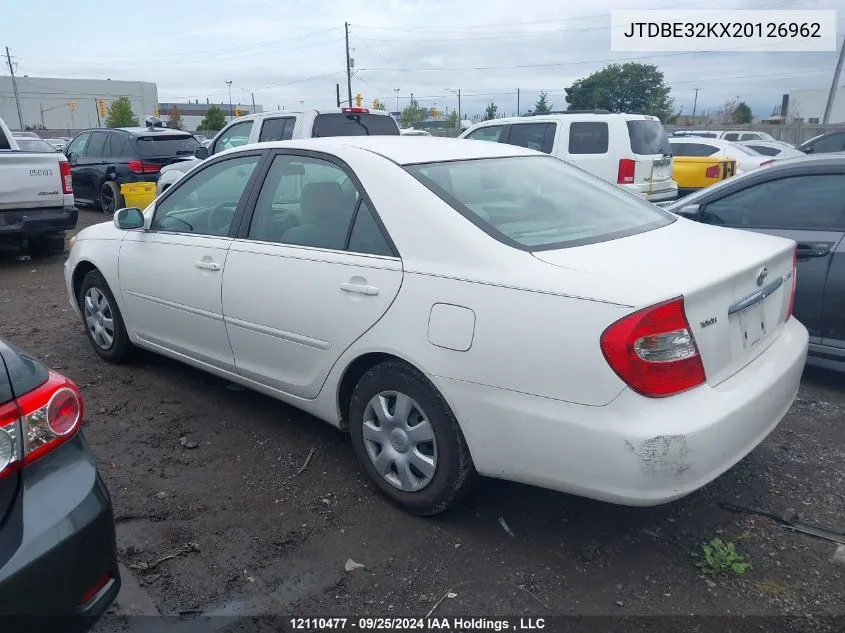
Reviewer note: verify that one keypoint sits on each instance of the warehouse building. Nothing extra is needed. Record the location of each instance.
(69, 104)
(191, 114)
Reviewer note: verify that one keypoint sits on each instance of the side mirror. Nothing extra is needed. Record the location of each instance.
(201, 152)
(690, 211)
(73, 158)
(129, 219)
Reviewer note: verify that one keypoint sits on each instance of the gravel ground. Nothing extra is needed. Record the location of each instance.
(251, 532)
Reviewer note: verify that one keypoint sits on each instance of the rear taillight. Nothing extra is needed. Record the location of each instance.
(67, 180)
(712, 172)
(626, 171)
(653, 350)
(792, 291)
(355, 110)
(49, 415)
(140, 167)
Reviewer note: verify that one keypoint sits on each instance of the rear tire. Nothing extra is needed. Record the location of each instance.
(419, 459)
(110, 198)
(102, 320)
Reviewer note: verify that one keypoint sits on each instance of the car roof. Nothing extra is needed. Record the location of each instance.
(404, 151)
(549, 118)
(315, 111)
(146, 131)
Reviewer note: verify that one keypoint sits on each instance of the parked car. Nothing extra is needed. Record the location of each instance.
(693, 173)
(727, 135)
(521, 323)
(413, 132)
(630, 150)
(746, 158)
(35, 145)
(775, 149)
(36, 196)
(281, 126)
(25, 135)
(802, 199)
(58, 553)
(103, 160)
(825, 143)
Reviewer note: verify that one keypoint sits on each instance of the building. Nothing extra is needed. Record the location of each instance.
(807, 106)
(192, 113)
(69, 104)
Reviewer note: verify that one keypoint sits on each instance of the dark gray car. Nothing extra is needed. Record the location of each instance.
(58, 554)
(802, 199)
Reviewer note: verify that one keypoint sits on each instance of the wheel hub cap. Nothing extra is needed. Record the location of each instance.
(99, 318)
(399, 440)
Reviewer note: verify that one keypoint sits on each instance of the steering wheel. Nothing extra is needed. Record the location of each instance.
(220, 218)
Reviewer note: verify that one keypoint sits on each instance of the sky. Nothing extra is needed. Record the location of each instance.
(291, 53)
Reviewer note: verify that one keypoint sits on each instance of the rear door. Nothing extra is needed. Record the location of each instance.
(75, 151)
(806, 208)
(588, 147)
(652, 153)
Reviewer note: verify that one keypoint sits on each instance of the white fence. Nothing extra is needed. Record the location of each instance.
(794, 133)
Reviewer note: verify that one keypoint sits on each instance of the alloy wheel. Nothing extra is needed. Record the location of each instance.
(99, 318)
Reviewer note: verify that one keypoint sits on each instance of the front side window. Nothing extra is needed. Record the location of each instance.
(305, 202)
(78, 144)
(536, 136)
(832, 143)
(235, 136)
(205, 203)
(537, 202)
(814, 202)
(487, 133)
(96, 145)
(588, 138)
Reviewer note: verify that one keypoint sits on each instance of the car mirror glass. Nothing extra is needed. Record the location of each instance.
(201, 152)
(73, 158)
(129, 219)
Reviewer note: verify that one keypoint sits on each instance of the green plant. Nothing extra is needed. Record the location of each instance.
(119, 114)
(718, 559)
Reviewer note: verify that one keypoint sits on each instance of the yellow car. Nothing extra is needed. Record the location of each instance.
(697, 172)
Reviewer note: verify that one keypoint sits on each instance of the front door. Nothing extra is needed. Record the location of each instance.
(807, 209)
(311, 274)
(75, 153)
(171, 275)
(92, 167)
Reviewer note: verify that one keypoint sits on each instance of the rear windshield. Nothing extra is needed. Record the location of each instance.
(339, 124)
(538, 202)
(648, 137)
(166, 146)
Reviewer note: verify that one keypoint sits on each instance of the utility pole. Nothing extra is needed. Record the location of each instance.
(831, 97)
(231, 111)
(15, 87)
(396, 90)
(457, 93)
(96, 107)
(337, 92)
(517, 103)
(252, 94)
(348, 66)
(694, 104)
(42, 116)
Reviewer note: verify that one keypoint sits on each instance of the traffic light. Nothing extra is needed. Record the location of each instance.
(158, 111)
(72, 105)
(434, 113)
(238, 111)
(375, 104)
(358, 99)
(101, 107)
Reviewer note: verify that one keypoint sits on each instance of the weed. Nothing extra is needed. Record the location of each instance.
(718, 559)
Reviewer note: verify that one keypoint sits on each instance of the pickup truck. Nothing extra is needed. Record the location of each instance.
(282, 126)
(697, 172)
(36, 197)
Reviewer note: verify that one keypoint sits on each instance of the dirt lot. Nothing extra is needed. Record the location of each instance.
(256, 535)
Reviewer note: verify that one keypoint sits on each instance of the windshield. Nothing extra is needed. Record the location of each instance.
(648, 137)
(339, 124)
(34, 145)
(166, 146)
(538, 202)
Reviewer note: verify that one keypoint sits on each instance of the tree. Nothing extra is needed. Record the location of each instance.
(379, 105)
(119, 114)
(633, 88)
(452, 121)
(491, 111)
(412, 113)
(742, 113)
(175, 117)
(213, 121)
(542, 106)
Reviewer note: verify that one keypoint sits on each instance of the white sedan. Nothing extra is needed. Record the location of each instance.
(746, 158)
(462, 308)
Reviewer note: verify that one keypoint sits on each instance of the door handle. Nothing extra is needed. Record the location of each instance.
(361, 289)
(207, 265)
(806, 251)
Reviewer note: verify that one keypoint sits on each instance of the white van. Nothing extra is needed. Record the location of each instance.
(631, 150)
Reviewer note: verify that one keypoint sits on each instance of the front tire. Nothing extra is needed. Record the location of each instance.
(110, 198)
(102, 319)
(409, 441)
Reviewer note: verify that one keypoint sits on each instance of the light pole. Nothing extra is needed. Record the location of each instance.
(231, 111)
(396, 90)
(458, 94)
(252, 95)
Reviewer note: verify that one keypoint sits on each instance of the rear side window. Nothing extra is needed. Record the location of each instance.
(167, 146)
(117, 146)
(277, 130)
(648, 137)
(588, 138)
(538, 202)
(536, 136)
(342, 124)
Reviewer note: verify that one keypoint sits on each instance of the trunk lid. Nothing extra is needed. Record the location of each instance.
(652, 152)
(30, 180)
(734, 309)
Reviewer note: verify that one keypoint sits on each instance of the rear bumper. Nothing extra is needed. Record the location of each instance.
(38, 220)
(655, 193)
(59, 543)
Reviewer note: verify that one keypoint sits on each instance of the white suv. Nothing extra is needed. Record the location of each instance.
(631, 150)
(283, 125)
